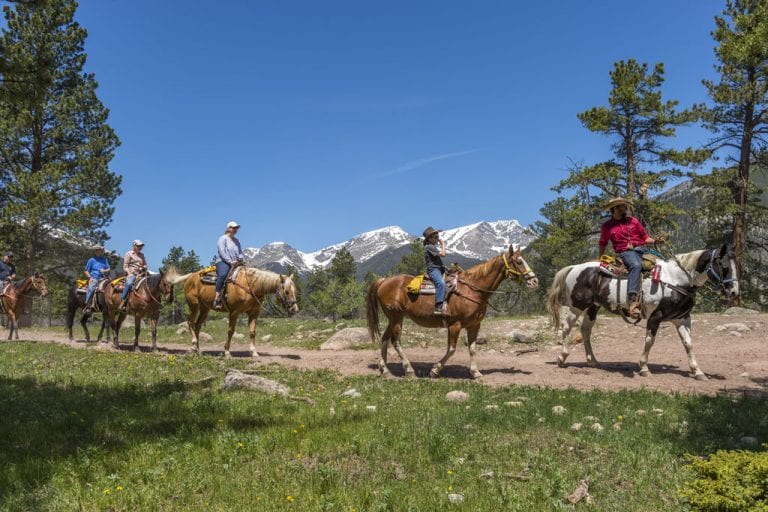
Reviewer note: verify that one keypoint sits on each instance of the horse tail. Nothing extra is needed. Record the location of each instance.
(172, 276)
(555, 297)
(372, 315)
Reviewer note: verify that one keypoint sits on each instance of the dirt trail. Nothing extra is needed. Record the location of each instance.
(730, 349)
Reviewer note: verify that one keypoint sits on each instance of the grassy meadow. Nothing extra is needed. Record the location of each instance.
(93, 430)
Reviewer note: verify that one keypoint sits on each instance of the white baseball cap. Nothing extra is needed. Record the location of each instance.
(232, 224)
(139, 243)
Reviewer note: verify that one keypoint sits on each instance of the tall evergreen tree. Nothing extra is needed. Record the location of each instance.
(184, 262)
(412, 262)
(739, 117)
(55, 143)
(343, 266)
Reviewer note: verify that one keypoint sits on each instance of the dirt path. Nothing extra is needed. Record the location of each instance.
(730, 349)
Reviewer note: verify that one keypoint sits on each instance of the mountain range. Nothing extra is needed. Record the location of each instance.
(379, 250)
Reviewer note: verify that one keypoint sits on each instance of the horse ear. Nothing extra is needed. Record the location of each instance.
(282, 278)
(723, 250)
(514, 248)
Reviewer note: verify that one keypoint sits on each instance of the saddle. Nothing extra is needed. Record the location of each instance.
(7, 289)
(615, 267)
(118, 284)
(208, 274)
(423, 285)
(82, 285)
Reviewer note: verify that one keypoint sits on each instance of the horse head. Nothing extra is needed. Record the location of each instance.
(38, 283)
(518, 269)
(166, 284)
(722, 271)
(286, 294)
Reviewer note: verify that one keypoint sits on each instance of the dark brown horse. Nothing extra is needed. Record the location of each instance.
(466, 307)
(75, 301)
(13, 297)
(245, 295)
(144, 300)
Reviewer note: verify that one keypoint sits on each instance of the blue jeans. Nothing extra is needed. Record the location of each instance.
(222, 269)
(436, 275)
(128, 285)
(633, 259)
(92, 283)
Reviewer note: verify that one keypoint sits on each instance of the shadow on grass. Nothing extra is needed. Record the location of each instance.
(41, 425)
(630, 369)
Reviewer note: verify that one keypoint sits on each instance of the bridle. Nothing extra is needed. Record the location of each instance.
(516, 275)
(283, 297)
(713, 275)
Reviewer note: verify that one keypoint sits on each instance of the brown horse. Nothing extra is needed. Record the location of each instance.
(466, 307)
(144, 300)
(245, 295)
(12, 297)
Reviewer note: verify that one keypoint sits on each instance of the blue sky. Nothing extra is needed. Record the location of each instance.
(312, 121)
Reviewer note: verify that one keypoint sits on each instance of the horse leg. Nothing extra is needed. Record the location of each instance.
(586, 333)
(453, 337)
(194, 312)
(230, 332)
(384, 344)
(472, 333)
(11, 321)
(252, 333)
(101, 329)
(650, 339)
(153, 328)
(84, 323)
(567, 322)
(683, 326)
(136, 330)
(201, 318)
(397, 330)
(118, 323)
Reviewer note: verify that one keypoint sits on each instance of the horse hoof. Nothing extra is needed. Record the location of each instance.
(476, 375)
(227, 355)
(434, 374)
(645, 373)
(255, 354)
(700, 376)
(116, 346)
(561, 362)
(592, 363)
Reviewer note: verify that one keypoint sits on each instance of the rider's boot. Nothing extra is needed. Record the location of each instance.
(635, 310)
(438, 309)
(217, 302)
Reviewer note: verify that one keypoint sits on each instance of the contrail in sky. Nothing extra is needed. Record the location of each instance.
(415, 164)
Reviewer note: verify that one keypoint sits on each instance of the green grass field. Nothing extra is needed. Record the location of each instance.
(91, 430)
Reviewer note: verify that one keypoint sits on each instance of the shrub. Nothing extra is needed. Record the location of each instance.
(729, 481)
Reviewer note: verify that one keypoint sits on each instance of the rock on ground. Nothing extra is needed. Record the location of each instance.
(238, 380)
(456, 396)
(348, 338)
(204, 336)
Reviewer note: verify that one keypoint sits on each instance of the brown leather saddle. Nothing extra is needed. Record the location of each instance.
(427, 287)
(615, 267)
(209, 276)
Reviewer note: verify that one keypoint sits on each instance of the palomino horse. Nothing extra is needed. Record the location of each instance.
(13, 295)
(244, 295)
(145, 299)
(466, 307)
(585, 288)
(75, 301)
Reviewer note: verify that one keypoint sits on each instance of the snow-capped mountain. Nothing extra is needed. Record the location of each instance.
(380, 249)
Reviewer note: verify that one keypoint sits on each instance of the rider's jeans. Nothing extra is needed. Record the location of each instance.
(633, 259)
(222, 269)
(128, 285)
(436, 275)
(92, 283)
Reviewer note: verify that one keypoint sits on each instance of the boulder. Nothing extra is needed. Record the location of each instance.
(519, 336)
(456, 396)
(238, 336)
(204, 336)
(740, 311)
(266, 338)
(350, 337)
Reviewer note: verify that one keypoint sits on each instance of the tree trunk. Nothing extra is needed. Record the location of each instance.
(742, 188)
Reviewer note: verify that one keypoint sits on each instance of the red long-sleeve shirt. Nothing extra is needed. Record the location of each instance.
(622, 233)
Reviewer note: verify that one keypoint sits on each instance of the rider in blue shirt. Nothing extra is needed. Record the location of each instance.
(96, 269)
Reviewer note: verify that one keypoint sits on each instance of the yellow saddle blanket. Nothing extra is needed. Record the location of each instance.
(414, 285)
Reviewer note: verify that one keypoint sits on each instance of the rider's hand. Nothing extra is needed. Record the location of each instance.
(659, 240)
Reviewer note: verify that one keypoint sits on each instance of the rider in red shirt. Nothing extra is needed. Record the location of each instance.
(628, 238)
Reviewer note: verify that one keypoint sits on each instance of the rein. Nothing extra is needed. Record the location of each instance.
(510, 273)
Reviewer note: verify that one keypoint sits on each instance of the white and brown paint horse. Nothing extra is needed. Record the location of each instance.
(466, 307)
(583, 289)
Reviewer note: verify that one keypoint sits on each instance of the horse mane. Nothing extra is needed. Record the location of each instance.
(263, 281)
(688, 260)
(153, 280)
(483, 268)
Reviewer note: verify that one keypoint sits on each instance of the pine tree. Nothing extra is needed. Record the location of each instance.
(343, 266)
(55, 143)
(739, 117)
(413, 262)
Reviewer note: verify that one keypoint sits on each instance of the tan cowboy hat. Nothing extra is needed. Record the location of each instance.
(430, 231)
(617, 201)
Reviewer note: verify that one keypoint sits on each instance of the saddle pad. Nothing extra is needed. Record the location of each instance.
(207, 270)
(82, 284)
(414, 285)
